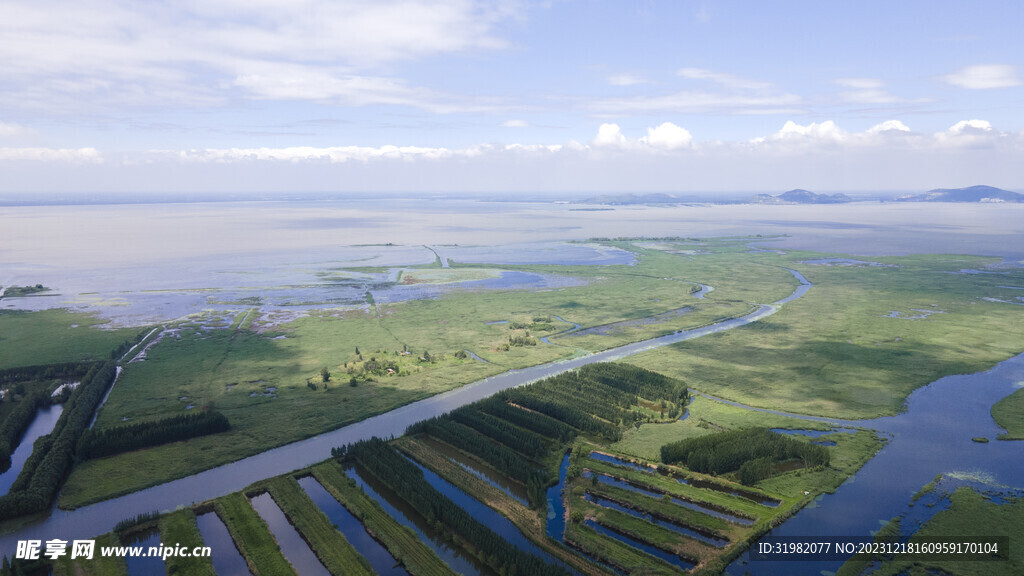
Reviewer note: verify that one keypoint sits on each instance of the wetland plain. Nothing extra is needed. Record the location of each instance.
(295, 322)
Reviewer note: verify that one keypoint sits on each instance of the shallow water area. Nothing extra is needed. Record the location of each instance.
(227, 560)
(933, 436)
(294, 547)
(145, 565)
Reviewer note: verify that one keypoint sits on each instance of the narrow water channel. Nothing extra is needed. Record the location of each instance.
(702, 508)
(292, 545)
(513, 489)
(683, 530)
(669, 557)
(42, 424)
(487, 516)
(457, 559)
(227, 560)
(382, 561)
(144, 564)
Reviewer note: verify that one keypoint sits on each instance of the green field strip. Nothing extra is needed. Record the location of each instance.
(252, 536)
(326, 541)
(617, 553)
(658, 483)
(99, 565)
(401, 542)
(180, 529)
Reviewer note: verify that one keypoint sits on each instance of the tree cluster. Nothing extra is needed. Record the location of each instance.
(110, 441)
(15, 424)
(501, 457)
(751, 452)
(406, 480)
(45, 470)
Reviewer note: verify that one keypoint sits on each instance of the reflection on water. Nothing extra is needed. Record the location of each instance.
(382, 561)
(43, 423)
(292, 545)
(486, 516)
(145, 565)
(227, 560)
(933, 436)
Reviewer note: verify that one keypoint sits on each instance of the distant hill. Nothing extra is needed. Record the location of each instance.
(799, 196)
(623, 199)
(970, 194)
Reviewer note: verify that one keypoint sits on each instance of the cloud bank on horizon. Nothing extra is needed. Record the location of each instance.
(461, 95)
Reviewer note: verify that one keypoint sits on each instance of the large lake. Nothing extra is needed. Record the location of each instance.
(144, 263)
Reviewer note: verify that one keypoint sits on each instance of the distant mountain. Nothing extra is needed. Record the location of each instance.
(799, 196)
(970, 194)
(623, 199)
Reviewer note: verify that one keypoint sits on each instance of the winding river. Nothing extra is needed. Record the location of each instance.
(90, 521)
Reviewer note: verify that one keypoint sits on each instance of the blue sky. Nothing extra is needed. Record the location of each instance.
(563, 96)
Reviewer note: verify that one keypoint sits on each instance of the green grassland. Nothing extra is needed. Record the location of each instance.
(55, 336)
(706, 417)
(832, 352)
(221, 368)
(1009, 413)
(835, 352)
(970, 514)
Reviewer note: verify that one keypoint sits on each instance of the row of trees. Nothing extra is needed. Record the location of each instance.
(53, 454)
(523, 441)
(751, 452)
(63, 371)
(110, 441)
(501, 457)
(16, 423)
(544, 425)
(406, 480)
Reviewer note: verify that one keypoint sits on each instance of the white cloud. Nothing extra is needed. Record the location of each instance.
(667, 136)
(984, 76)
(969, 134)
(626, 80)
(112, 54)
(791, 131)
(610, 136)
(969, 127)
(515, 123)
(888, 126)
(66, 155)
